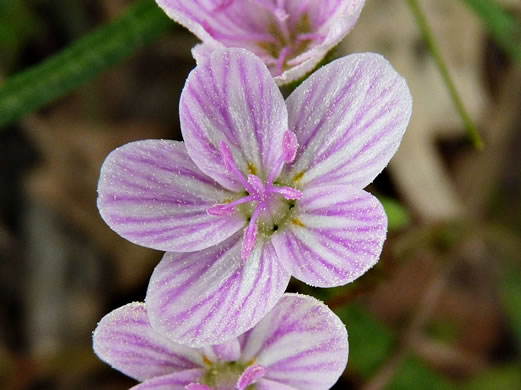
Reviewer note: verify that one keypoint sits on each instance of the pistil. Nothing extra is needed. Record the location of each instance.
(258, 191)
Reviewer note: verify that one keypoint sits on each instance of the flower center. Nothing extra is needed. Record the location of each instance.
(290, 37)
(223, 375)
(287, 36)
(229, 376)
(266, 205)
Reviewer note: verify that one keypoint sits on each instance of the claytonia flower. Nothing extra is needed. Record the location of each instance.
(291, 36)
(299, 345)
(261, 189)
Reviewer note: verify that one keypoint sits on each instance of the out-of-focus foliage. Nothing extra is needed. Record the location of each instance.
(369, 341)
(504, 27)
(81, 61)
(397, 214)
(511, 297)
(504, 378)
(17, 24)
(414, 374)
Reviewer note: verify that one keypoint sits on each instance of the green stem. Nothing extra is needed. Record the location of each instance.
(82, 61)
(444, 71)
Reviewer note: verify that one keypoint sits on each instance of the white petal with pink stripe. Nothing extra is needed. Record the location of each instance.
(337, 237)
(151, 193)
(232, 98)
(125, 340)
(211, 296)
(349, 118)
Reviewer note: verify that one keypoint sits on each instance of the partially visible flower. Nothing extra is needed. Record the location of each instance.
(299, 345)
(261, 189)
(291, 36)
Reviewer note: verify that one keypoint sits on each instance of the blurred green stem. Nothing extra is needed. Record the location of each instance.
(444, 71)
(82, 61)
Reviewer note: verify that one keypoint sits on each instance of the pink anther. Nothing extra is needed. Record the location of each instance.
(250, 376)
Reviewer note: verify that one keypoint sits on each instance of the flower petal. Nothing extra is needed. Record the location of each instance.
(228, 351)
(221, 22)
(337, 236)
(175, 381)
(349, 118)
(331, 21)
(233, 98)
(301, 342)
(152, 194)
(125, 340)
(266, 384)
(212, 296)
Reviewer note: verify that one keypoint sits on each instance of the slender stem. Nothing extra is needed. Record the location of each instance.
(82, 61)
(444, 71)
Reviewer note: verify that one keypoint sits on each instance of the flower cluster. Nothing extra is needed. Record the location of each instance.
(261, 189)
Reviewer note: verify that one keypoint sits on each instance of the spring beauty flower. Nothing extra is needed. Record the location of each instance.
(300, 345)
(291, 36)
(261, 189)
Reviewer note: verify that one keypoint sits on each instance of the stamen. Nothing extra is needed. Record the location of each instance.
(242, 37)
(278, 10)
(227, 156)
(250, 234)
(250, 238)
(230, 165)
(281, 14)
(258, 186)
(282, 58)
(288, 192)
(310, 36)
(258, 191)
(228, 208)
(289, 151)
(250, 376)
(197, 386)
(207, 361)
(289, 146)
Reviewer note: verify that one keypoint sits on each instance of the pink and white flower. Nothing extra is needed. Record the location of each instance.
(299, 345)
(291, 36)
(261, 189)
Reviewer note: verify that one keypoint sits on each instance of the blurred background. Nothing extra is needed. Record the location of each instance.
(441, 310)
